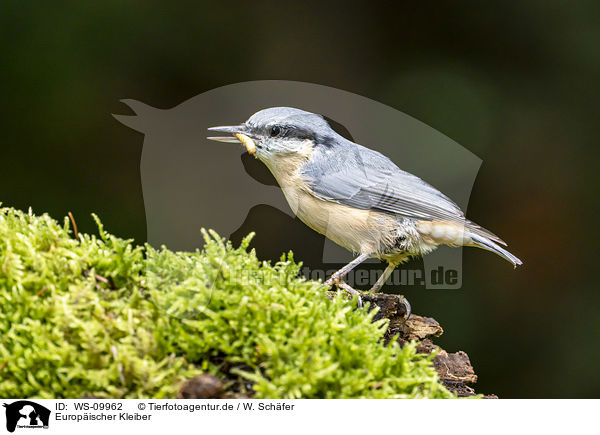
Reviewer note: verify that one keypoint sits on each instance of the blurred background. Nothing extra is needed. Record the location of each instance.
(515, 83)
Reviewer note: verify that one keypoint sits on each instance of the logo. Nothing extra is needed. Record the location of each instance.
(189, 181)
(25, 414)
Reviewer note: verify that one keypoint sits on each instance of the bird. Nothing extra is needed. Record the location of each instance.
(355, 196)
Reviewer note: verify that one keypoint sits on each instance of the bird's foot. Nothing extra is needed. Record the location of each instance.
(351, 292)
(406, 304)
(330, 282)
(377, 288)
(340, 284)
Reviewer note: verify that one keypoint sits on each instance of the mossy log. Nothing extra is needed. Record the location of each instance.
(454, 369)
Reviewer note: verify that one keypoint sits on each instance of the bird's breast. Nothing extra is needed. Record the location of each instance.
(354, 229)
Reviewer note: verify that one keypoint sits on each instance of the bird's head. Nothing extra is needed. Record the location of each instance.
(278, 132)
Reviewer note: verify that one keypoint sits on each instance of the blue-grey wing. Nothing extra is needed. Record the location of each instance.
(365, 179)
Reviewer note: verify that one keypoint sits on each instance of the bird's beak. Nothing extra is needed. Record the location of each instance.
(239, 133)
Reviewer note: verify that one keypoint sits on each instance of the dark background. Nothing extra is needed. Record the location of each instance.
(515, 83)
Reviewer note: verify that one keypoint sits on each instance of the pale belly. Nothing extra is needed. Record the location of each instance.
(360, 231)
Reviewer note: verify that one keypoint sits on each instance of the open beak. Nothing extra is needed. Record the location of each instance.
(239, 136)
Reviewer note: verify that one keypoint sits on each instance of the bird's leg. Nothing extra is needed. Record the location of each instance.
(383, 278)
(338, 277)
(381, 281)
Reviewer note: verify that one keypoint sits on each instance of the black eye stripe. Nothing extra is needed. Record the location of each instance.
(290, 132)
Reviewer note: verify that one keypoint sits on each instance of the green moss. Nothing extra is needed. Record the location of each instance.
(100, 316)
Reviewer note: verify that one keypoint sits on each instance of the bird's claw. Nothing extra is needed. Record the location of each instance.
(406, 304)
(340, 284)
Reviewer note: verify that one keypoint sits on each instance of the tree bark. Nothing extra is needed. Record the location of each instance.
(455, 369)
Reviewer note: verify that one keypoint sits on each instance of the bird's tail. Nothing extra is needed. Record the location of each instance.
(485, 243)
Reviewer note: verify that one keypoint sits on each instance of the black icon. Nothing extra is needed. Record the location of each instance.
(26, 414)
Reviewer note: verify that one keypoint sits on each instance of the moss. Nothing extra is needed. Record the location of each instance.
(96, 315)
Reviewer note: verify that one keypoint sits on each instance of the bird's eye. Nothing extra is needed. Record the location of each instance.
(275, 131)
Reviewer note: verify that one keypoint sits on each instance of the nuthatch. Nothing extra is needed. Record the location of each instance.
(355, 196)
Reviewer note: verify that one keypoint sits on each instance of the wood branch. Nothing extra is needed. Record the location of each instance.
(455, 369)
